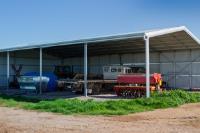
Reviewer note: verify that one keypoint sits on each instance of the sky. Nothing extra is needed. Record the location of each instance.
(27, 22)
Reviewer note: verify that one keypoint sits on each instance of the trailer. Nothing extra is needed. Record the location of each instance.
(97, 83)
(94, 86)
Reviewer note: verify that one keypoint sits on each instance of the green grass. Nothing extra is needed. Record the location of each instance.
(112, 107)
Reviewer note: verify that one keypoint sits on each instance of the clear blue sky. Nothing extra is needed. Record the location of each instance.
(40, 21)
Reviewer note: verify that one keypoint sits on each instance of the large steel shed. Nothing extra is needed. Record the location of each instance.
(174, 40)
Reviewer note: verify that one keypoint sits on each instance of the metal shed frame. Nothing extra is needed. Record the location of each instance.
(156, 36)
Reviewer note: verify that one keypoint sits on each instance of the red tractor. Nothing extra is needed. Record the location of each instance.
(133, 85)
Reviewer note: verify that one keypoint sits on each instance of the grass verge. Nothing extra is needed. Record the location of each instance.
(112, 107)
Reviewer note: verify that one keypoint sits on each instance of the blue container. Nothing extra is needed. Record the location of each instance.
(52, 85)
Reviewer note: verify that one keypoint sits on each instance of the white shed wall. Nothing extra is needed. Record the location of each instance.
(180, 69)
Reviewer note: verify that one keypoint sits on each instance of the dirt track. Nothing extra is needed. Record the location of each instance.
(185, 119)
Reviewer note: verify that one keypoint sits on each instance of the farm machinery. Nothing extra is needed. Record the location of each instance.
(108, 80)
(126, 80)
(133, 85)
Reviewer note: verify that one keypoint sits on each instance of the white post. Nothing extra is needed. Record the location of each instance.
(146, 38)
(40, 70)
(8, 68)
(190, 87)
(85, 69)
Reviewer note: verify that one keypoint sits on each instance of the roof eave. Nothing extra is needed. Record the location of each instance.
(81, 41)
(172, 30)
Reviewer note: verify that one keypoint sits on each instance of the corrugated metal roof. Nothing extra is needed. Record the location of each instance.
(135, 35)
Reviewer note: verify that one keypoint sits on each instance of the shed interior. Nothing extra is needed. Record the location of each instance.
(175, 55)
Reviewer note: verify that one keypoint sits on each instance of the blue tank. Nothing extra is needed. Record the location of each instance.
(52, 85)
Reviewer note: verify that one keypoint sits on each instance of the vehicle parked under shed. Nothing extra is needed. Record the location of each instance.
(174, 52)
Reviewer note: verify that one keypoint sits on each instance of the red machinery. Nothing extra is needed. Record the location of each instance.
(133, 85)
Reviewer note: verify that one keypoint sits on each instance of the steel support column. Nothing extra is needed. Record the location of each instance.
(191, 86)
(40, 70)
(85, 69)
(146, 38)
(174, 65)
(8, 69)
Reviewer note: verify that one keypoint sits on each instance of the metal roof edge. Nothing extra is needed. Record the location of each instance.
(149, 34)
(164, 31)
(80, 41)
(192, 35)
(172, 30)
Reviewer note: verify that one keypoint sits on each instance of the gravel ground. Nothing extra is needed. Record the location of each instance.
(184, 119)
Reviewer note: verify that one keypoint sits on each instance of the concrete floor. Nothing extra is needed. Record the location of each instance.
(58, 94)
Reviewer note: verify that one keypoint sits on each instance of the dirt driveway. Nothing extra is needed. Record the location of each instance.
(185, 119)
